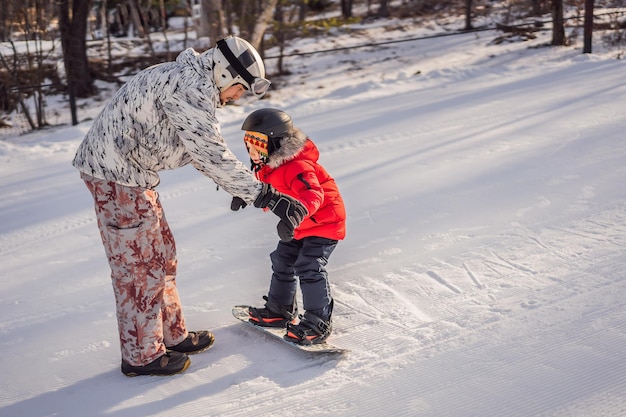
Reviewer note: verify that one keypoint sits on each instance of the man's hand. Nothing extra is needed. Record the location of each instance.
(237, 204)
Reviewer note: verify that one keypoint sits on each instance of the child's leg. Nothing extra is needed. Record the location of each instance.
(283, 284)
(311, 268)
(315, 325)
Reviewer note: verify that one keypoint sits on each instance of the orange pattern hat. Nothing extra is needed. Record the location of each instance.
(258, 141)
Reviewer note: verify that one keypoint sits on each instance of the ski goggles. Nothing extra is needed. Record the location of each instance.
(258, 85)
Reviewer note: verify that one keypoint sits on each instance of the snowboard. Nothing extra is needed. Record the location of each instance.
(241, 314)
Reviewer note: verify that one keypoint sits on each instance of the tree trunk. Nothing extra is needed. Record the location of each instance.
(105, 21)
(212, 20)
(383, 10)
(588, 26)
(4, 18)
(135, 18)
(558, 29)
(203, 26)
(468, 15)
(263, 21)
(346, 8)
(280, 36)
(246, 18)
(302, 7)
(163, 23)
(73, 27)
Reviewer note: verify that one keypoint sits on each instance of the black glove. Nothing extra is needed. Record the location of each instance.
(285, 230)
(237, 204)
(290, 210)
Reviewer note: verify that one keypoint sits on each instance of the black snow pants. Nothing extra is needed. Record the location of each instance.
(305, 259)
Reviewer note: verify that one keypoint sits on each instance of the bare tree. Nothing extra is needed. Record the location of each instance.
(286, 23)
(212, 20)
(188, 14)
(468, 15)
(73, 27)
(163, 23)
(13, 68)
(302, 8)
(107, 33)
(24, 71)
(558, 28)
(538, 7)
(262, 23)
(588, 26)
(246, 18)
(383, 9)
(346, 8)
(35, 19)
(254, 18)
(5, 7)
(136, 19)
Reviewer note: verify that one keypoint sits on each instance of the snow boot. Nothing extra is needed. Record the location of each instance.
(273, 315)
(170, 363)
(312, 329)
(195, 342)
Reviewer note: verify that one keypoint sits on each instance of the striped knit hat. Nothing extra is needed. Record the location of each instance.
(258, 141)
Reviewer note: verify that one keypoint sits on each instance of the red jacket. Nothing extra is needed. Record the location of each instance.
(300, 176)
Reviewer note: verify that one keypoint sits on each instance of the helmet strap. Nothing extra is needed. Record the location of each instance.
(273, 144)
(234, 62)
(256, 167)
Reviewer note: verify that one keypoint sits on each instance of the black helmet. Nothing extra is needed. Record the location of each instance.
(272, 122)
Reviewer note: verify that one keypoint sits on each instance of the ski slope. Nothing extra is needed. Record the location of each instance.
(482, 274)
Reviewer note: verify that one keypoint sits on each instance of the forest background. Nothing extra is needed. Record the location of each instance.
(64, 47)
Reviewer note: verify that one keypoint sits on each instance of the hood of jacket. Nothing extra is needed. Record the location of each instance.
(290, 146)
(202, 63)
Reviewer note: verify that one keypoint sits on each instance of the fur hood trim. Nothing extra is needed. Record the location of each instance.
(290, 146)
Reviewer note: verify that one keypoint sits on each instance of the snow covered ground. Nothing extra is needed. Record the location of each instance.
(482, 275)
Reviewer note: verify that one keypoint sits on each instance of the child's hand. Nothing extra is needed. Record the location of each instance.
(285, 231)
(290, 210)
(287, 208)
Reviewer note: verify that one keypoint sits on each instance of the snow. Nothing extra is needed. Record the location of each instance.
(482, 274)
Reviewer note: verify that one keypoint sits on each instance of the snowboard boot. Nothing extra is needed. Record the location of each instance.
(170, 363)
(312, 329)
(273, 315)
(195, 342)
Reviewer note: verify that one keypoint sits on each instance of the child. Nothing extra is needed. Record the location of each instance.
(284, 157)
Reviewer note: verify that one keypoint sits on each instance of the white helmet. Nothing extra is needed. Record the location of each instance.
(237, 62)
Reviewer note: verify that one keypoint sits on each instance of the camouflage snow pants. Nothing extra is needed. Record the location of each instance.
(141, 252)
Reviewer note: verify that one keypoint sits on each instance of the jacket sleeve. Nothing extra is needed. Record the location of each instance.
(192, 111)
(304, 185)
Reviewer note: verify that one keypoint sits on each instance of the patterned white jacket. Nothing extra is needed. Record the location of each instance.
(164, 118)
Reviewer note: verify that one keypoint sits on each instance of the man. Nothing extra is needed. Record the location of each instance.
(164, 118)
